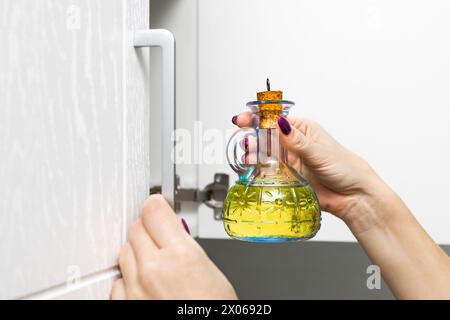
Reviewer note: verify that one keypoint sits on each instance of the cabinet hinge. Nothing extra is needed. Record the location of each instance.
(213, 195)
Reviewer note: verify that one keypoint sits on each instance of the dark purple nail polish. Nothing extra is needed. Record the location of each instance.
(185, 225)
(234, 120)
(284, 125)
(246, 144)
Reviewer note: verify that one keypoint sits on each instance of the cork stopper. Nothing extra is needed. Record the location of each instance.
(268, 113)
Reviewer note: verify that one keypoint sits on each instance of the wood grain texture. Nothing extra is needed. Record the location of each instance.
(72, 137)
(137, 94)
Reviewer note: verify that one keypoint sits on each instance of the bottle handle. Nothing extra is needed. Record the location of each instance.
(236, 158)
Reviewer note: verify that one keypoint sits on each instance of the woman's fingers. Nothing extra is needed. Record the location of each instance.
(249, 159)
(161, 223)
(118, 290)
(243, 120)
(248, 144)
(292, 137)
(295, 141)
(143, 246)
(128, 266)
(294, 161)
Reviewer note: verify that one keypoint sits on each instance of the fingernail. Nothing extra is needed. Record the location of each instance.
(284, 125)
(185, 225)
(246, 144)
(234, 120)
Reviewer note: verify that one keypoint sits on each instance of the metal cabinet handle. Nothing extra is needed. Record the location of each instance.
(214, 193)
(165, 40)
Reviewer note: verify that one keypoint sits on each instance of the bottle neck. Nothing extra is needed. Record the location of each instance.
(270, 151)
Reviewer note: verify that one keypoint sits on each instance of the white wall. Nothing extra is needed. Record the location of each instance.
(73, 143)
(375, 74)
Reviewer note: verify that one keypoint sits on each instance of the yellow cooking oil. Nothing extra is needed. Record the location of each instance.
(271, 213)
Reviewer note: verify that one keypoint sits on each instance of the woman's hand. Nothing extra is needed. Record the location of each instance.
(342, 180)
(411, 263)
(162, 261)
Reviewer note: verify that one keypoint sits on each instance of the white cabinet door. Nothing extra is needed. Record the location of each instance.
(74, 142)
(376, 75)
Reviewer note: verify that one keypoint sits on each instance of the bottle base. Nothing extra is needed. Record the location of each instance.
(271, 213)
(273, 239)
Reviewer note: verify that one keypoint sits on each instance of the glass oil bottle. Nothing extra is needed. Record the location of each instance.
(271, 201)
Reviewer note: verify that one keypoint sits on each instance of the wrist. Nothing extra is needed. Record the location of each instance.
(368, 209)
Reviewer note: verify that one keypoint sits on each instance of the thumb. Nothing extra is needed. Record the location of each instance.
(295, 141)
